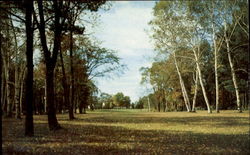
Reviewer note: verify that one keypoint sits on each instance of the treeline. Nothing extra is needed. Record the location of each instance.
(48, 61)
(109, 101)
(202, 56)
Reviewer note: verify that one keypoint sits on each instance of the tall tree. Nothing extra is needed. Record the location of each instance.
(29, 126)
(64, 80)
(50, 56)
(1, 67)
(167, 36)
(231, 10)
(17, 74)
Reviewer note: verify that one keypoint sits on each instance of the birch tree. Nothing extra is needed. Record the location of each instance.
(167, 35)
(231, 15)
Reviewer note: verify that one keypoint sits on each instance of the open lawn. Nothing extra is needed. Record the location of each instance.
(132, 132)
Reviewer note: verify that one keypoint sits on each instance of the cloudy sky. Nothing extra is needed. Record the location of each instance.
(122, 28)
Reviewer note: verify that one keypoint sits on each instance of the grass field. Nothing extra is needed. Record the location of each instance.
(132, 132)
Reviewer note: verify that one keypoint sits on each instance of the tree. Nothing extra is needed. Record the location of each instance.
(228, 13)
(210, 20)
(29, 127)
(120, 100)
(74, 11)
(50, 57)
(17, 74)
(60, 13)
(167, 36)
(105, 101)
(6, 67)
(95, 61)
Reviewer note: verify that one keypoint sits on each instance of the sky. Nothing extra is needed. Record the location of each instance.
(123, 28)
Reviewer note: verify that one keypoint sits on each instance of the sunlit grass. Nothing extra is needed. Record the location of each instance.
(133, 131)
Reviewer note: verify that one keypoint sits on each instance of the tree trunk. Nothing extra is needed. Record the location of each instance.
(159, 106)
(21, 86)
(1, 65)
(215, 65)
(17, 96)
(50, 60)
(80, 108)
(84, 109)
(166, 103)
(239, 107)
(64, 82)
(148, 104)
(7, 77)
(183, 88)
(72, 87)
(29, 126)
(52, 120)
(195, 90)
(45, 95)
(201, 81)
(17, 88)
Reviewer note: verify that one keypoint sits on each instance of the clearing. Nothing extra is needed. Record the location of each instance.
(132, 132)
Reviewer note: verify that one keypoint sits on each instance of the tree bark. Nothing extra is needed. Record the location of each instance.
(29, 126)
(50, 60)
(195, 91)
(183, 88)
(7, 77)
(64, 81)
(159, 106)
(45, 95)
(148, 104)
(239, 107)
(17, 88)
(166, 103)
(52, 120)
(201, 81)
(72, 80)
(1, 65)
(3, 90)
(6, 63)
(215, 63)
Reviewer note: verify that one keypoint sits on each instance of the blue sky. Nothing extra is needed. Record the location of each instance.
(122, 28)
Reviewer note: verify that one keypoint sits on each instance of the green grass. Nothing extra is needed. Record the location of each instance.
(133, 132)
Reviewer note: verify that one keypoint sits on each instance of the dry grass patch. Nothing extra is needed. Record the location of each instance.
(133, 132)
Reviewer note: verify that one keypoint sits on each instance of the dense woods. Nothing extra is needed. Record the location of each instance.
(202, 56)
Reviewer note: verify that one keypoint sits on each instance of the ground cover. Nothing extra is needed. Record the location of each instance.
(132, 132)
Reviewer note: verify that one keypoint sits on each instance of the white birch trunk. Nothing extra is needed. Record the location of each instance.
(215, 63)
(183, 88)
(195, 91)
(201, 81)
(232, 70)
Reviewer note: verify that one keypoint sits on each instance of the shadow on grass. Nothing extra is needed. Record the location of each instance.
(100, 139)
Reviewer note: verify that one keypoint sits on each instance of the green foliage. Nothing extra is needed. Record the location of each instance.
(105, 101)
(183, 26)
(120, 100)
